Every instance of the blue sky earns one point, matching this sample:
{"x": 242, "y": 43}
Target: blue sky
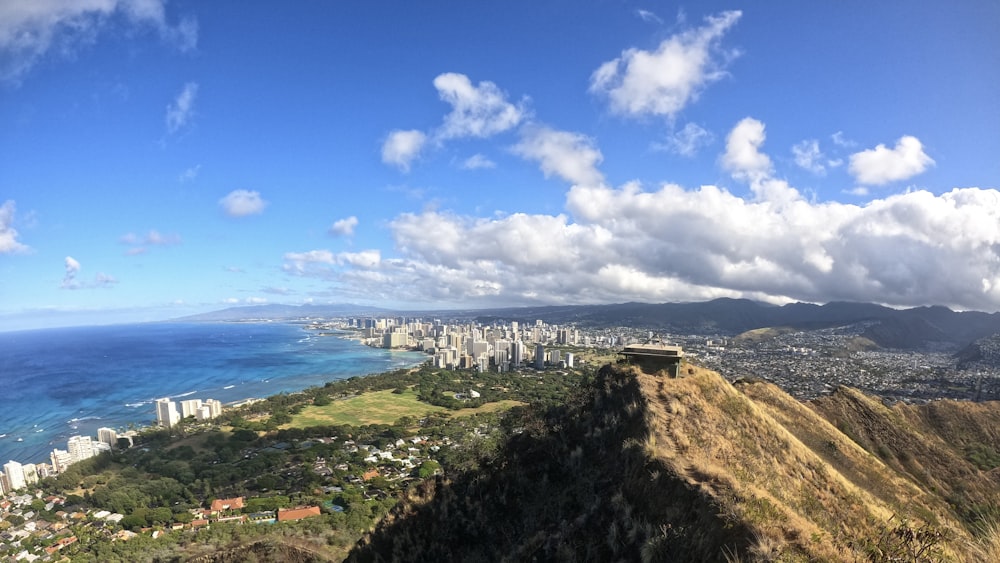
{"x": 163, "y": 158}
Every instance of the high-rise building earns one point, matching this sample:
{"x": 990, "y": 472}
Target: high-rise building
{"x": 15, "y": 475}
{"x": 108, "y": 436}
{"x": 60, "y": 460}
{"x": 30, "y": 473}
{"x": 190, "y": 407}
{"x": 4, "y": 485}
{"x": 517, "y": 353}
{"x": 539, "y": 356}
{"x": 570, "y": 359}
{"x": 80, "y": 448}
{"x": 166, "y": 413}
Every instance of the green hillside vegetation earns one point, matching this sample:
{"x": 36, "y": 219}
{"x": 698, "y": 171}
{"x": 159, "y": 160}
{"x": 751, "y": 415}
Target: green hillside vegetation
{"x": 696, "y": 469}
{"x": 380, "y": 407}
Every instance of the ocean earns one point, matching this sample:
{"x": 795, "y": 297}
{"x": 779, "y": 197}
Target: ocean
{"x": 57, "y": 383}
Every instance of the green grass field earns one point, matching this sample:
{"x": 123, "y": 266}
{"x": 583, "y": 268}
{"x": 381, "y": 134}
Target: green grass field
{"x": 379, "y": 407}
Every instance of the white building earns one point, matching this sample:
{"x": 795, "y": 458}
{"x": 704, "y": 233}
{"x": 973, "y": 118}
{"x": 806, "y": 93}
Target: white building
{"x": 208, "y": 410}
{"x": 107, "y": 436}
{"x": 166, "y": 413}
{"x": 80, "y": 448}
{"x": 15, "y": 475}
{"x": 30, "y": 473}
{"x": 190, "y": 407}
{"x": 60, "y": 460}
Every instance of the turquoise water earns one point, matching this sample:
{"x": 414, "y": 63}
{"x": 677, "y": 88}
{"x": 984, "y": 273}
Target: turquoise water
{"x": 56, "y": 383}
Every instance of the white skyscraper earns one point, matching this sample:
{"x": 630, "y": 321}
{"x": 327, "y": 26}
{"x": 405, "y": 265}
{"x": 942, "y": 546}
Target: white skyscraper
{"x": 108, "y": 436}
{"x": 30, "y": 473}
{"x": 166, "y": 413}
{"x": 60, "y": 460}
{"x": 190, "y": 407}
{"x": 80, "y": 448}
{"x": 15, "y": 475}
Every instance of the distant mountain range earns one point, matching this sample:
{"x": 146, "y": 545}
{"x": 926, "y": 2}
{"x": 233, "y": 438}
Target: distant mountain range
{"x": 920, "y": 327}
{"x": 279, "y": 312}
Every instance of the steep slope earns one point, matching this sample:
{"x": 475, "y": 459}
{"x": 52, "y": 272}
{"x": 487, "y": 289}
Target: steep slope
{"x": 696, "y": 469}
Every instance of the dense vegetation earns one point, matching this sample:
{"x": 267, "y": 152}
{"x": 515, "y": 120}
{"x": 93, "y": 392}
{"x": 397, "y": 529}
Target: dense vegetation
{"x": 254, "y": 453}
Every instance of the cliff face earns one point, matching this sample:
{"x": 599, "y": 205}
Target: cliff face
{"x": 697, "y": 469}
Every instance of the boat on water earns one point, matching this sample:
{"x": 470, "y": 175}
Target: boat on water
{"x": 3, "y": 436}
{"x": 229, "y": 386}
{"x": 19, "y": 440}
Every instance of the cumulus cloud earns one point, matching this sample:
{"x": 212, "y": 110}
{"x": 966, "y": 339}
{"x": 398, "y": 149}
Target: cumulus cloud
{"x": 663, "y": 82}
{"x": 8, "y": 234}
{"x": 476, "y": 111}
{"x": 670, "y": 242}
{"x": 686, "y": 142}
{"x": 477, "y": 161}
{"x": 344, "y": 227}
{"x": 240, "y": 203}
{"x": 30, "y": 30}
{"x": 180, "y": 111}
{"x": 70, "y": 281}
{"x": 743, "y": 158}
{"x": 882, "y": 165}
{"x": 571, "y": 156}
{"x": 402, "y": 147}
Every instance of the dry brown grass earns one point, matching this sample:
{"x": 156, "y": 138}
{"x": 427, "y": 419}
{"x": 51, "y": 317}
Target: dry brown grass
{"x": 774, "y": 464}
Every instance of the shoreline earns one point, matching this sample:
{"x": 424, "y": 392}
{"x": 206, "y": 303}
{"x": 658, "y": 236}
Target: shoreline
{"x": 41, "y": 433}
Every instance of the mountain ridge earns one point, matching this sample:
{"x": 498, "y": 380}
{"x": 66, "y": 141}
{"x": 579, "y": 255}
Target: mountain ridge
{"x": 643, "y": 467}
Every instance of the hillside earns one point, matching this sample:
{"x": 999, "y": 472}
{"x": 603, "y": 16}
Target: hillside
{"x": 696, "y": 469}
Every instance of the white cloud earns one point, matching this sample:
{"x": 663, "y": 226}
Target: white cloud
{"x": 30, "y": 29}
{"x": 476, "y": 111}
{"x": 571, "y": 156}
{"x": 344, "y": 227}
{"x": 882, "y": 165}
{"x": 809, "y": 157}
{"x": 665, "y": 81}
{"x": 367, "y": 259}
{"x": 669, "y": 242}
{"x": 189, "y": 174}
{"x": 139, "y": 243}
{"x": 478, "y": 161}
{"x": 240, "y": 203}
{"x": 686, "y": 142}
{"x": 402, "y": 147}
{"x": 255, "y": 300}
{"x": 73, "y": 267}
{"x": 180, "y": 111}
{"x": 302, "y": 263}
{"x": 647, "y": 16}
{"x": 743, "y": 158}
{"x": 8, "y": 234}
{"x": 839, "y": 140}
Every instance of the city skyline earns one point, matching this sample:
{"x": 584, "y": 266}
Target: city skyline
{"x": 168, "y": 158}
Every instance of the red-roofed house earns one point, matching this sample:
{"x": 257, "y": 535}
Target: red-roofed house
{"x": 220, "y": 504}
{"x": 298, "y": 513}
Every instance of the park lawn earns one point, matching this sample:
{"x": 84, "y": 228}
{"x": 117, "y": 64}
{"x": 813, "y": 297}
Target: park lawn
{"x": 379, "y": 407}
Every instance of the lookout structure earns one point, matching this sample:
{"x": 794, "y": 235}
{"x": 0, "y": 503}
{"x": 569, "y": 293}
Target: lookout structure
{"x": 653, "y": 358}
